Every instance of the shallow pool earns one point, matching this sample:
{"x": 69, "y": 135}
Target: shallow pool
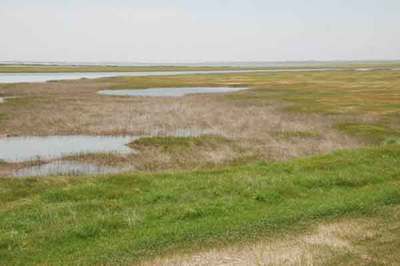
{"x": 169, "y": 92}
{"x": 18, "y": 149}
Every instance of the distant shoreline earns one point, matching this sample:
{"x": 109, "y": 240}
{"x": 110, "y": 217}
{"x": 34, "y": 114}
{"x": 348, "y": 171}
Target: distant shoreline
{"x": 202, "y": 64}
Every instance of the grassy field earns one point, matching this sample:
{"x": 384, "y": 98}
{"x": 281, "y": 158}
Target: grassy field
{"x": 302, "y": 166}
{"x": 126, "y": 218}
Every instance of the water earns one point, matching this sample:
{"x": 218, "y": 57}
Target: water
{"x": 19, "y": 149}
{"x": 169, "y": 92}
{"x": 44, "y": 77}
{"x": 66, "y": 168}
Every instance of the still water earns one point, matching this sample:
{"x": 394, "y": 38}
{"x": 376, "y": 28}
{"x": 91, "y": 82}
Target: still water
{"x": 18, "y": 149}
{"x": 44, "y": 77}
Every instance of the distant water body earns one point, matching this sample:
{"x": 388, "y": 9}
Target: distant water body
{"x": 44, "y": 77}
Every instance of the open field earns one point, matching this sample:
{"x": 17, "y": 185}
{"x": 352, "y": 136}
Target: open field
{"x": 301, "y": 168}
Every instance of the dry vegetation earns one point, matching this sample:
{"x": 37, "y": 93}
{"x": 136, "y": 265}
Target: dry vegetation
{"x": 257, "y": 120}
{"x": 283, "y": 115}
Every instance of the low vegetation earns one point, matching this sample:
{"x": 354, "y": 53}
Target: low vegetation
{"x": 362, "y": 240}
{"x": 171, "y": 143}
{"x": 200, "y": 152}
{"x": 128, "y": 218}
{"x": 2, "y": 117}
{"x": 298, "y": 134}
{"x": 371, "y": 133}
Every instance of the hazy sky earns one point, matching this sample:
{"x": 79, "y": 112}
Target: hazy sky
{"x": 199, "y": 30}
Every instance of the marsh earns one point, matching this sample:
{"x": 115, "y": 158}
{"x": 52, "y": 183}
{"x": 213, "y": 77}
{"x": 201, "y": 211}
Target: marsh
{"x": 292, "y": 146}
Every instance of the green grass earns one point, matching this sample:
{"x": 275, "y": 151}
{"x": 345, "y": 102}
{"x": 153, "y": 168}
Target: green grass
{"x": 126, "y": 218}
{"x": 372, "y": 133}
{"x": 2, "y": 117}
{"x": 339, "y": 92}
{"x": 392, "y": 141}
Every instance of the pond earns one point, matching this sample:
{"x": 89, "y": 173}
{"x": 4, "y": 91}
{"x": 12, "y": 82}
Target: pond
{"x": 169, "y": 92}
{"x": 19, "y": 149}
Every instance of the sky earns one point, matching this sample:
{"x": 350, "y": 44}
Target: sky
{"x": 199, "y": 30}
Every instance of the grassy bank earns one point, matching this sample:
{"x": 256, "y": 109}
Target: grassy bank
{"x": 127, "y": 218}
